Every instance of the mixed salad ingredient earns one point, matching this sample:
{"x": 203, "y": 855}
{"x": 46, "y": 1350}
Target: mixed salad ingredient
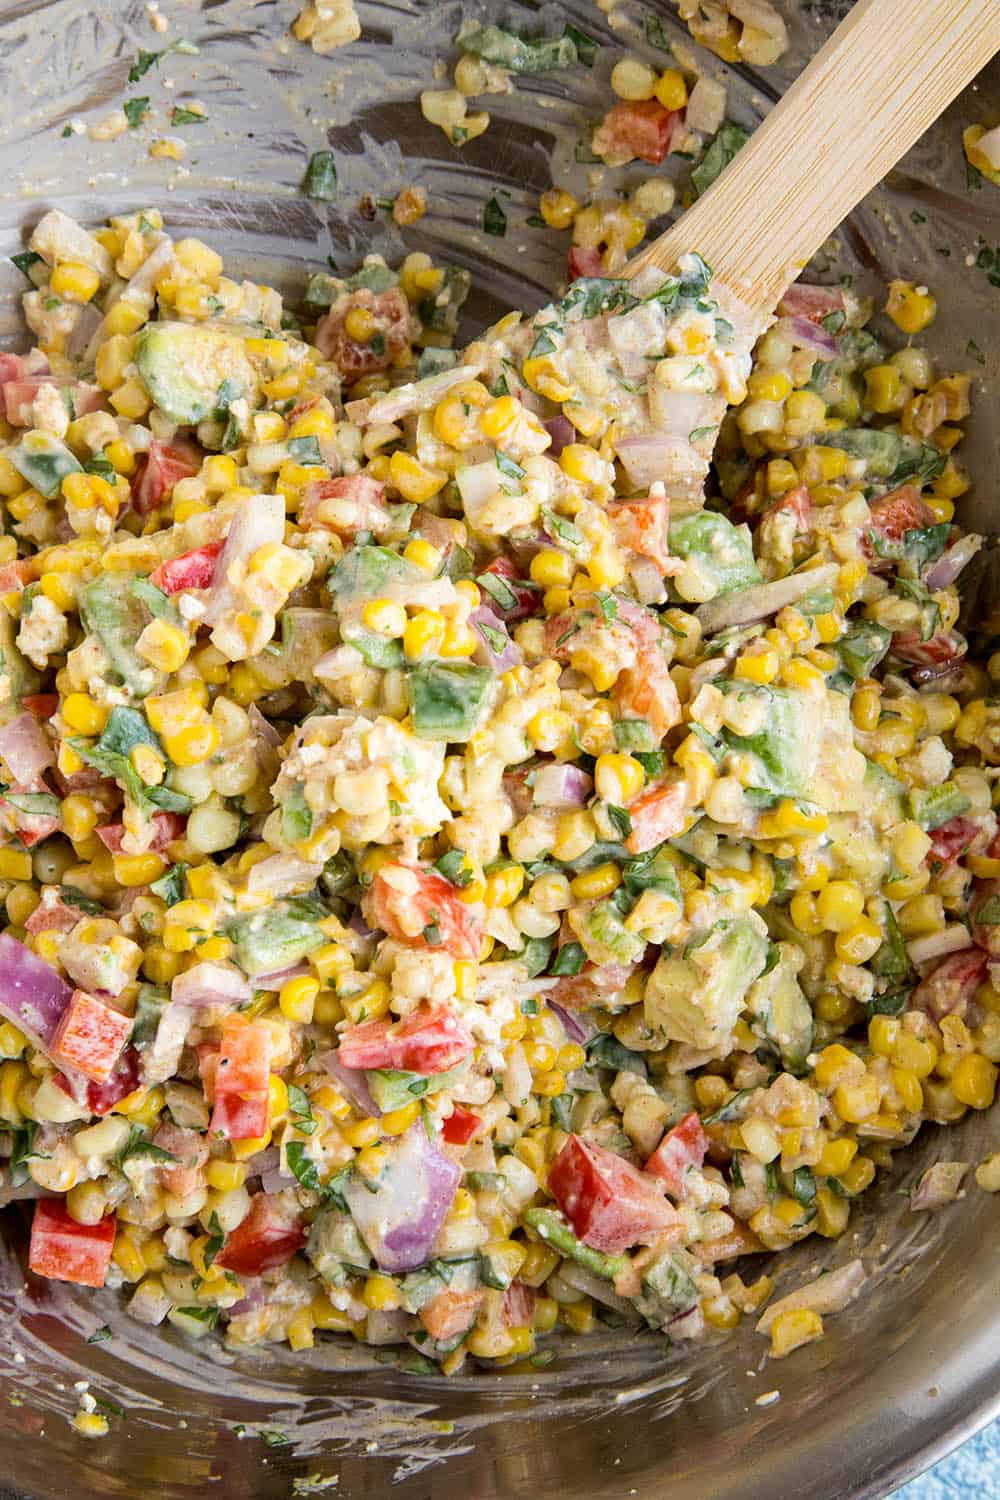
{"x": 457, "y": 880}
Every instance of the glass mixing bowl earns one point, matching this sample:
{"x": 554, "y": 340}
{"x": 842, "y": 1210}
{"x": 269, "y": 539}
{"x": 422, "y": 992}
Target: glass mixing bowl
{"x": 913, "y": 1366}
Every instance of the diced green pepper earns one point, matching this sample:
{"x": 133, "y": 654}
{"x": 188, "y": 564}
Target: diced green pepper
{"x": 43, "y": 461}
{"x": 448, "y": 701}
{"x": 724, "y": 551}
{"x": 551, "y": 1227}
{"x": 110, "y": 610}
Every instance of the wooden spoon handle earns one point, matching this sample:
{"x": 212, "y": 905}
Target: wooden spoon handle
{"x": 881, "y": 79}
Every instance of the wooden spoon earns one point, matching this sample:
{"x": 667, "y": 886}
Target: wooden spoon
{"x": 883, "y": 77}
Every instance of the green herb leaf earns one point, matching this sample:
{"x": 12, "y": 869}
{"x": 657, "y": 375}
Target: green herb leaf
{"x": 569, "y": 959}
{"x": 100, "y": 1335}
{"x": 139, "y": 1145}
{"x": 24, "y": 260}
{"x": 181, "y": 116}
{"x": 305, "y": 450}
{"x": 454, "y": 869}
{"x": 321, "y": 176}
{"x": 135, "y": 110}
{"x": 620, "y": 820}
{"x": 494, "y": 219}
{"x": 143, "y": 63}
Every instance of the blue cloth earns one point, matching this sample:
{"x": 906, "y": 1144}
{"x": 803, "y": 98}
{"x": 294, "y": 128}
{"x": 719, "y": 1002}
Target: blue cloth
{"x": 971, "y": 1473}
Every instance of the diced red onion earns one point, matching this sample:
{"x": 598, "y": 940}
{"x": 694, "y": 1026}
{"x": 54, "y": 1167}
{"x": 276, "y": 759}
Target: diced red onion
{"x": 275, "y": 1181}
{"x": 161, "y": 1060}
{"x": 953, "y": 938}
{"x": 561, "y": 786}
{"x": 259, "y": 520}
{"x": 360, "y": 926}
{"x": 255, "y": 1295}
{"x": 802, "y": 333}
{"x": 827, "y": 1294}
{"x": 352, "y": 1081}
{"x": 951, "y": 562}
{"x": 399, "y": 1222}
{"x": 210, "y": 984}
{"x": 577, "y": 1024}
{"x": 762, "y": 599}
{"x": 280, "y": 874}
{"x": 32, "y": 995}
{"x": 274, "y": 982}
{"x": 486, "y": 654}
{"x": 671, "y": 460}
{"x": 263, "y": 728}
{"x": 597, "y": 1287}
{"x": 939, "y": 1185}
{"x": 562, "y": 432}
{"x": 25, "y": 748}
{"x": 687, "y": 1325}
{"x": 267, "y": 1160}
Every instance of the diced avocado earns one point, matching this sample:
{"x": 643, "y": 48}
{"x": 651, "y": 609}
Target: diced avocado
{"x": 634, "y": 734}
{"x": 606, "y": 938}
{"x": 862, "y": 648}
{"x": 448, "y": 701}
{"x": 786, "y": 745}
{"x": 392, "y": 1088}
{"x": 695, "y": 994}
{"x": 780, "y": 1012}
{"x": 888, "y": 455}
{"x": 365, "y": 573}
{"x": 652, "y": 872}
{"x": 277, "y": 937}
{"x": 668, "y": 1288}
{"x": 336, "y": 1248}
{"x": 110, "y": 610}
{"x": 184, "y": 366}
{"x": 43, "y": 461}
{"x": 148, "y": 1007}
{"x": 18, "y": 672}
{"x": 505, "y": 49}
{"x": 935, "y": 805}
{"x": 724, "y": 551}
{"x": 376, "y": 650}
{"x": 885, "y": 796}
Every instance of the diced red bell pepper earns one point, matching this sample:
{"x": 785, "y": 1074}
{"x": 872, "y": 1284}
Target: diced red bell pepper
{"x": 15, "y": 576}
{"x": 166, "y": 828}
{"x": 895, "y": 514}
{"x": 64, "y": 1250}
{"x": 610, "y": 1204}
{"x": 427, "y": 1041}
{"x": 242, "y": 1080}
{"x": 365, "y": 496}
{"x": 936, "y": 654}
{"x": 268, "y": 1237}
{"x": 797, "y": 504}
{"x": 430, "y": 915}
{"x": 101, "y": 1098}
{"x": 641, "y": 526}
{"x": 682, "y": 1147}
{"x": 584, "y": 260}
{"x": 52, "y": 914}
{"x": 460, "y": 1126}
{"x": 42, "y": 705}
{"x": 160, "y": 470}
{"x": 812, "y": 302}
{"x": 657, "y": 814}
{"x": 192, "y": 570}
{"x": 647, "y": 691}
{"x": 19, "y": 395}
{"x": 391, "y": 312}
{"x": 90, "y": 1037}
{"x": 949, "y": 989}
{"x": 951, "y": 840}
{"x": 637, "y": 128}
{"x": 450, "y": 1314}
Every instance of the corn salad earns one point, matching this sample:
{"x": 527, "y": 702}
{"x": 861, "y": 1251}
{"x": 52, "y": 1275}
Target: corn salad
{"x": 456, "y": 881}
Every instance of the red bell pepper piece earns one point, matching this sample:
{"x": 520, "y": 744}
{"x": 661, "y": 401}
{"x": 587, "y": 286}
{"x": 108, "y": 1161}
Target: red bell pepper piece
{"x": 242, "y": 1079}
{"x": 427, "y": 1041}
{"x": 192, "y": 570}
{"x": 682, "y": 1147}
{"x": 64, "y": 1250}
{"x": 268, "y": 1237}
{"x": 431, "y": 915}
{"x": 89, "y": 1037}
{"x": 610, "y": 1204}
{"x": 460, "y": 1126}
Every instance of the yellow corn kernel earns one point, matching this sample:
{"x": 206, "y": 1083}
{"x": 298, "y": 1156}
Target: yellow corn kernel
{"x": 832, "y": 1214}
{"x": 332, "y": 960}
{"x": 198, "y": 258}
{"x": 551, "y": 568}
{"x": 857, "y": 1100}
{"x": 137, "y": 869}
{"x": 582, "y": 463}
{"x": 328, "y": 1098}
{"x": 82, "y": 715}
{"x": 503, "y": 886}
{"x": 907, "y": 1086}
{"x": 790, "y": 1330}
{"x": 550, "y": 1085}
{"x": 618, "y": 778}
{"x": 499, "y": 417}
{"x": 802, "y": 910}
{"x": 423, "y": 634}
{"x": 15, "y": 864}
{"x": 594, "y": 884}
{"x": 413, "y": 480}
{"x": 757, "y": 666}
{"x": 839, "y": 905}
{"x": 90, "y": 1424}
{"x": 128, "y": 1258}
{"x": 579, "y": 1316}
{"x": 399, "y": 1120}
{"x": 371, "y": 1160}
{"x": 74, "y": 281}
{"x": 164, "y": 646}
{"x": 538, "y": 1264}
{"x": 361, "y": 1133}
{"x": 558, "y": 208}
{"x": 225, "y": 1176}
{"x": 974, "y": 1081}
{"x": 297, "y": 999}
{"x": 58, "y": 590}
{"x": 277, "y": 1098}
{"x": 836, "y": 1064}
{"x": 883, "y": 389}
{"x": 381, "y": 1294}
{"x": 193, "y": 745}
{"x": 300, "y": 1330}
{"x": 910, "y": 308}
{"x": 424, "y": 556}
{"x": 788, "y": 820}
{"x": 671, "y": 89}
{"x": 328, "y": 1317}
{"x": 837, "y": 1157}
{"x": 130, "y": 400}
{"x": 860, "y": 942}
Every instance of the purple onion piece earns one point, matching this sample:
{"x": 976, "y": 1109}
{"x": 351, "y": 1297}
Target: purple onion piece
{"x": 494, "y": 647}
{"x": 562, "y": 432}
{"x": 803, "y": 333}
{"x": 562, "y": 786}
{"x": 949, "y": 564}
{"x": 352, "y": 1081}
{"x": 400, "y": 1221}
{"x": 210, "y": 984}
{"x": 273, "y": 982}
{"x": 25, "y": 748}
{"x": 577, "y": 1024}
{"x": 32, "y": 994}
